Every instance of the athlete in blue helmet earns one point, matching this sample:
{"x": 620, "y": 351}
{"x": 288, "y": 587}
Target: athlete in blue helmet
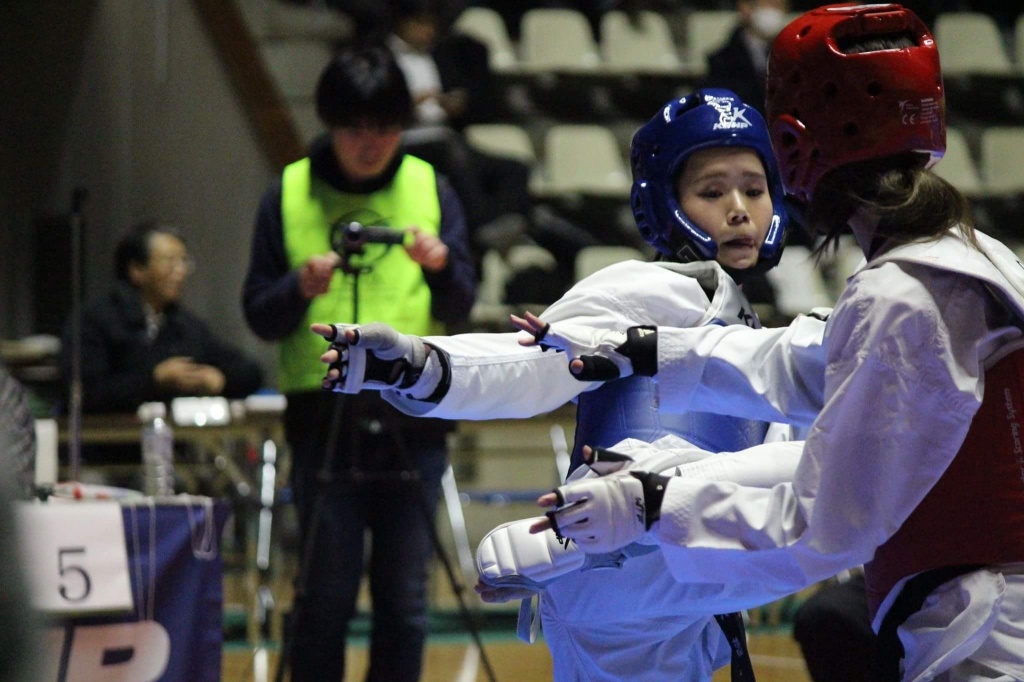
{"x": 708, "y": 197}
{"x": 708, "y": 119}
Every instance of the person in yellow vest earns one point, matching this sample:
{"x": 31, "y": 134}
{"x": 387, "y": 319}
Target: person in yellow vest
{"x": 358, "y": 231}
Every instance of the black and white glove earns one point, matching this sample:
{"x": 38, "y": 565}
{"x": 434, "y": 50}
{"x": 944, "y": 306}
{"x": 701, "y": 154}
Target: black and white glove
{"x": 604, "y": 354}
{"x": 378, "y": 358}
{"x": 607, "y": 513}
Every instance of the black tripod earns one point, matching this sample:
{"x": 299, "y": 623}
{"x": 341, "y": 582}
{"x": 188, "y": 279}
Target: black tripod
{"x": 348, "y": 240}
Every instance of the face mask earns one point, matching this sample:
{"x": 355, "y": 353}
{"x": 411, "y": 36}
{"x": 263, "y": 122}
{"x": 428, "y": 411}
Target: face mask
{"x": 767, "y": 22}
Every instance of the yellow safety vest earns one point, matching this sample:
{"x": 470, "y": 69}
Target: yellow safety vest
{"x": 391, "y": 288}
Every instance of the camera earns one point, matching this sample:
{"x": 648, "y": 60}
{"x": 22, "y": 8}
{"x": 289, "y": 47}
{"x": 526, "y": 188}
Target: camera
{"x": 350, "y": 237}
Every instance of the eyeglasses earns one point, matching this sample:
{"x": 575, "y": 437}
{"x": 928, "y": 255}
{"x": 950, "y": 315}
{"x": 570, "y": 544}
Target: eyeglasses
{"x": 186, "y": 263}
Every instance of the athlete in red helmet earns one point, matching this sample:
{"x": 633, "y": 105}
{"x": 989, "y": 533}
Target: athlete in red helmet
{"x": 914, "y": 463}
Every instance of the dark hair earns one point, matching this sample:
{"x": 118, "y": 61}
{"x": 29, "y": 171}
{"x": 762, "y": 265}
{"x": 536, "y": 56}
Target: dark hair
{"x": 912, "y": 203}
{"x": 404, "y": 9}
{"x": 363, "y": 86}
{"x": 133, "y": 247}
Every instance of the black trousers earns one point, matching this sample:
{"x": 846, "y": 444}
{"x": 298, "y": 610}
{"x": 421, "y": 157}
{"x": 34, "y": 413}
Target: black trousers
{"x": 375, "y": 519}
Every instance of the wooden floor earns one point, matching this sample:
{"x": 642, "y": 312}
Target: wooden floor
{"x": 775, "y": 656}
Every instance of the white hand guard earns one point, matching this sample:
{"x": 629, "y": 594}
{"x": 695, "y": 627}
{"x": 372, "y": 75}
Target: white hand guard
{"x": 512, "y": 556}
{"x": 378, "y": 359}
{"x": 601, "y": 514}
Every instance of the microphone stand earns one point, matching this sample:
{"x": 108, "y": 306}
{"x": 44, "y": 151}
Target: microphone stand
{"x": 75, "y": 407}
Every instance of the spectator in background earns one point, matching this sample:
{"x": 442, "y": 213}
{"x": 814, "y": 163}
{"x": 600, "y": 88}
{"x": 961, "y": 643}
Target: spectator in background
{"x": 385, "y": 469}
{"x": 447, "y": 72}
{"x": 139, "y": 344}
{"x": 451, "y": 86}
{"x": 740, "y": 65}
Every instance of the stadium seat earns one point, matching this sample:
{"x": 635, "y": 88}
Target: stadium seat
{"x": 706, "y": 31}
{"x": 557, "y": 40}
{"x": 590, "y": 259}
{"x": 957, "y": 166}
{"x": 487, "y": 26}
{"x": 1019, "y": 43}
{"x": 502, "y": 139}
{"x": 510, "y": 141}
{"x": 580, "y": 158}
{"x": 643, "y": 45}
{"x": 970, "y": 43}
{"x": 1002, "y": 149}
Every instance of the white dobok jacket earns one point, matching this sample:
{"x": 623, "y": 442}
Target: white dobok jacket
{"x": 890, "y": 397}
{"x": 610, "y": 624}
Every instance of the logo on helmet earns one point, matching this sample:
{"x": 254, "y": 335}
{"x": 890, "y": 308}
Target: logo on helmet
{"x": 728, "y": 118}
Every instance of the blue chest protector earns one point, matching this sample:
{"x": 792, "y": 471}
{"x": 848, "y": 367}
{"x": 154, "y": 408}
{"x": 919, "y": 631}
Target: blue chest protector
{"x": 627, "y": 409}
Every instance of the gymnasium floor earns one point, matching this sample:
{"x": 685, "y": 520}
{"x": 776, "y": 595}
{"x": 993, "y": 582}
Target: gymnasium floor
{"x": 511, "y": 456}
{"x": 452, "y": 659}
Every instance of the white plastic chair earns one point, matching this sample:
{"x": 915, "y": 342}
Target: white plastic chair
{"x": 1002, "y": 149}
{"x": 511, "y": 141}
{"x": 970, "y": 42}
{"x": 1019, "y": 42}
{"x": 581, "y": 158}
{"x": 487, "y": 26}
{"x": 706, "y": 31}
{"x": 557, "y": 39}
{"x": 502, "y": 139}
{"x": 957, "y": 166}
{"x": 643, "y": 46}
{"x": 590, "y": 259}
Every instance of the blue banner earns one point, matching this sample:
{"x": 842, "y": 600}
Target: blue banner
{"x": 176, "y": 631}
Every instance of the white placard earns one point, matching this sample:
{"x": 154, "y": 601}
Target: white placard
{"x": 75, "y": 557}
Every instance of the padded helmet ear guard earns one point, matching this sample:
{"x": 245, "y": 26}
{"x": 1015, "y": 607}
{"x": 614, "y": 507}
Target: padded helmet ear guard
{"x": 708, "y": 118}
{"x": 830, "y": 104}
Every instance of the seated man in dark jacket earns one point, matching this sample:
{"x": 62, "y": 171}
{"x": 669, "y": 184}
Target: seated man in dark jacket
{"x": 140, "y": 345}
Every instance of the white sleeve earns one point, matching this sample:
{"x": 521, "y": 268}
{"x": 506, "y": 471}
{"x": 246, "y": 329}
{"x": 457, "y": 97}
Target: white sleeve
{"x": 762, "y": 466}
{"x": 904, "y": 381}
{"x": 493, "y": 377}
{"x": 771, "y": 374}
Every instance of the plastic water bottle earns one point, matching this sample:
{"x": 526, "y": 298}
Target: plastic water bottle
{"x": 157, "y": 450}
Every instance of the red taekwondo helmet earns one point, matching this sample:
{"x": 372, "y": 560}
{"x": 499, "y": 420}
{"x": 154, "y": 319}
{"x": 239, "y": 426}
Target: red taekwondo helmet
{"x": 828, "y": 106}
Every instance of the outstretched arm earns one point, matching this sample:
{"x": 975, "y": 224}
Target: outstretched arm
{"x": 767, "y": 374}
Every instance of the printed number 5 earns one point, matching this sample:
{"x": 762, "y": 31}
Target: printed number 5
{"x": 69, "y": 568}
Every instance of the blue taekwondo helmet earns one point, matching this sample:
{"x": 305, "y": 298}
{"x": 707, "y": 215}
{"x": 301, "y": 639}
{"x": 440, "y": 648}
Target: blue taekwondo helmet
{"x": 711, "y": 117}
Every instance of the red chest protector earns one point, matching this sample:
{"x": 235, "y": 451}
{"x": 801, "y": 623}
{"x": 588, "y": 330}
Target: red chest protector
{"x": 975, "y": 512}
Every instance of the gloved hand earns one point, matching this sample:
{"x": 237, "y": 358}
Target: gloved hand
{"x": 375, "y": 357}
{"x": 607, "y": 513}
{"x": 596, "y": 354}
